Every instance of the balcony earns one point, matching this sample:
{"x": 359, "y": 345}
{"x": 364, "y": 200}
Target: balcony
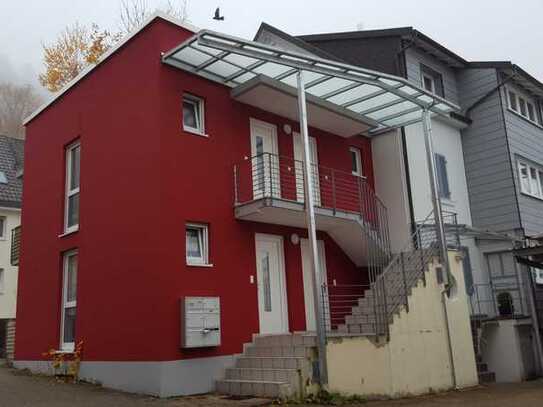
{"x": 270, "y": 189}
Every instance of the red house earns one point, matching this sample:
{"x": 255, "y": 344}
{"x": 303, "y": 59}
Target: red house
{"x": 163, "y": 216}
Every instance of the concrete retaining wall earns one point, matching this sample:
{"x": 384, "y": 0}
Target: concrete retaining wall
{"x": 416, "y": 360}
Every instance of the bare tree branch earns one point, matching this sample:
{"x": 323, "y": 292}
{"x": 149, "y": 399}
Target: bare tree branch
{"x": 16, "y": 103}
{"x": 134, "y": 12}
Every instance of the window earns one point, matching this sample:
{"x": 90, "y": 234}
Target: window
{"x": 2, "y": 227}
{"x": 513, "y": 101}
{"x": 193, "y": 114}
{"x": 432, "y": 81}
{"x": 356, "y": 161}
{"x": 428, "y": 83}
{"x": 69, "y": 301}
{"x": 530, "y": 179}
{"x": 442, "y": 176}
{"x": 3, "y": 178}
{"x": 2, "y": 282}
{"x": 197, "y": 244}
{"x": 71, "y": 216}
{"x": 468, "y": 272}
{"x": 538, "y": 275}
{"x": 524, "y": 106}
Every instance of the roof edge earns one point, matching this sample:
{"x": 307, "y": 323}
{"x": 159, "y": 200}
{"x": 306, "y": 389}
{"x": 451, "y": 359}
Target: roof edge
{"x": 401, "y": 32}
{"x": 157, "y": 14}
{"x": 295, "y": 40}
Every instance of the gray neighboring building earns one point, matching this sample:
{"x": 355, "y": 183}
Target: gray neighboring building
{"x": 493, "y": 152}
{"x": 11, "y": 188}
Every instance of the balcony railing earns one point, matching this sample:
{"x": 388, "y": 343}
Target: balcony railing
{"x": 15, "y": 245}
{"x": 502, "y": 300}
{"x": 272, "y": 176}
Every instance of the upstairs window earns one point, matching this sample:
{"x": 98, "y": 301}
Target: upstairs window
{"x": 193, "y": 115}
{"x": 69, "y": 301}
{"x": 197, "y": 244}
{"x": 432, "y": 81}
{"x": 356, "y": 161}
{"x": 2, "y": 227}
{"x": 71, "y": 211}
{"x": 523, "y": 106}
{"x": 531, "y": 179}
{"x": 442, "y": 176}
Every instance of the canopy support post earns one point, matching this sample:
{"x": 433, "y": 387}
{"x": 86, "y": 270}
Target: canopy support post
{"x": 434, "y": 188}
{"x": 440, "y": 228}
{"x": 312, "y": 234}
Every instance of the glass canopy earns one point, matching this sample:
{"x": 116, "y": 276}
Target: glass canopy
{"x": 388, "y": 100}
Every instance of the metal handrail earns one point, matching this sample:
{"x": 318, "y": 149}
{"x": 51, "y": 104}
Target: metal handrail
{"x": 271, "y": 175}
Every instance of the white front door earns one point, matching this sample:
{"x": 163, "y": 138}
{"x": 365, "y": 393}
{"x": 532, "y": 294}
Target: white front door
{"x": 272, "y": 293}
{"x": 299, "y": 157}
{"x": 265, "y": 160}
{"x": 310, "y": 320}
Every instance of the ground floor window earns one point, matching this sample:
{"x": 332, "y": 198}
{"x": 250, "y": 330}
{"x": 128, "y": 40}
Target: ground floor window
{"x": 197, "y": 244}
{"x": 69, "y": 300}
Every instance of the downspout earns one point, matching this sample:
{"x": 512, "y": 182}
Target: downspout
{"x": 401, "y": 62}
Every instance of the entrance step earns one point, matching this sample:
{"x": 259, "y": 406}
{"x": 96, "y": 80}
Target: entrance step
{"x": 258, "y": 388}
{"x": 274, "y": 366}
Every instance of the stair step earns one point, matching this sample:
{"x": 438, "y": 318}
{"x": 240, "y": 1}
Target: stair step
{"x": 290, "y": 376}
{"x": 288, "y": 351}
{"x": 281, "y": 362}
{"x": 487, "y": 377}
{"x": 285, "y": 340}
{"x": 359, "y": 319}
{"x": 257, "y": 388}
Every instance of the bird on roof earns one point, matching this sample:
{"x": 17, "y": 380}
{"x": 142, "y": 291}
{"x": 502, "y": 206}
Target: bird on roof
{"x": 217, "y": 15}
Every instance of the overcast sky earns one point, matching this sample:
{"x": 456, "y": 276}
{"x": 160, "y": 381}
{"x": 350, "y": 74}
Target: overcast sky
{"x": 475, "y": 29}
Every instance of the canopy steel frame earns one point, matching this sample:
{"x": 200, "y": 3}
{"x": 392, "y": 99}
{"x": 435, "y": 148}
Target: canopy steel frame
{"x": 247, "y": 59}
{"x": 396, "y": 103}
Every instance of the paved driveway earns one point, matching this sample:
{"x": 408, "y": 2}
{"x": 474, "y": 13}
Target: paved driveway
{"x": 18, "y": 389}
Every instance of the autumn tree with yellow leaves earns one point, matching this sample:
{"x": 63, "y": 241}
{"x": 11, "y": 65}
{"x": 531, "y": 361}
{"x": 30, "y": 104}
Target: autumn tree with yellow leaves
{"x": 74, "y": 49}
{"x": 79, "y": 46}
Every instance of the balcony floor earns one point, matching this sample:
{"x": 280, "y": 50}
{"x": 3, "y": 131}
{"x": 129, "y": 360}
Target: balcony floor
{"x": 343, "y": 226}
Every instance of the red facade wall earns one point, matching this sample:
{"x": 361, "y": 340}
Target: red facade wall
{"x": 142, "y": 180}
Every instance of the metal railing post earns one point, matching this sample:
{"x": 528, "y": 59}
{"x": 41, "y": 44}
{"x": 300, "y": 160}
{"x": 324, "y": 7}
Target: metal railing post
{"x": 422, "y": 265}
{"x": 360, "y": 195}
{"x": 402, "y": 264}
{"x": 271, "y": 174}
{"x": 236, "y": 197}
{"x": 334, "y": 203}
{"x": 385, "y": 305}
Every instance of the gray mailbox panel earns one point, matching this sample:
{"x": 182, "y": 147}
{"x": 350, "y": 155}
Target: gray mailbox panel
{"x": 201, "y": 322}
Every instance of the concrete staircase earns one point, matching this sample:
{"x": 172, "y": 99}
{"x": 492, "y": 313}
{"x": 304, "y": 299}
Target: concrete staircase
{"x": 274, "y": 366}
{"x": 485, "y": 376}
{"x": 398, "y": 282}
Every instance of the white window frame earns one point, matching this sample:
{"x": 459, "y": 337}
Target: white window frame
{"x": 67, "y": 346}
{"x": 358, "y": 159}
{"x": 200, "y": 114}
{"x": 538, "y": 193}
{"x": 3, "y": 227}
{"x": 203, "y": 236}
{"x": 432, "y": 81}
{"x": 71, "y": 192}
{"x": 521, "y": 98}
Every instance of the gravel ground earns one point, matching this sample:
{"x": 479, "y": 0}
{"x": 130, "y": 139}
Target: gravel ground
{"x": 19, "y": 389}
